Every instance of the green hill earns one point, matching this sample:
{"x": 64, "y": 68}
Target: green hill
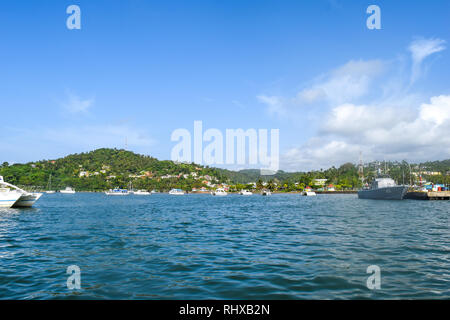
{"x": 104, "y": 169}
{"x": 108, "y": 168}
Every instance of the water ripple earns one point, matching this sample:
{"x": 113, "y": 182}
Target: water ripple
{"x": 203, "y": 247}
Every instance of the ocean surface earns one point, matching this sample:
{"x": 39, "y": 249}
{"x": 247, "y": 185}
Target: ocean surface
{"x": 283, "y": 246}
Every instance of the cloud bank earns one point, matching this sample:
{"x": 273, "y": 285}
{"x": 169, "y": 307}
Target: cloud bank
{"x": 370, "y": 106}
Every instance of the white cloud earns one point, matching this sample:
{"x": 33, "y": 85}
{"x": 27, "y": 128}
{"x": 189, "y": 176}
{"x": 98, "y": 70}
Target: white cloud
{"x": 275, "y": 105}
{"x": 368, "y": 106}
{"x": 438, "y": 111}
{"x": 420, "y": 49}
{"x": 417, "y": 134}
{"x": 350, "y": 119}
{"x": 318, "y": 153}
{"x": 75, "y": 104}
{"x": 344, "y": 84}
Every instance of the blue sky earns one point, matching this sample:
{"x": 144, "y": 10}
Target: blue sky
{"x": 141, "y": 69}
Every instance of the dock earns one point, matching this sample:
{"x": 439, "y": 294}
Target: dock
{"x": 432, "y": 195}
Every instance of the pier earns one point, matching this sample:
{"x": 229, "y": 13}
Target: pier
{"x": 432, "y": 195}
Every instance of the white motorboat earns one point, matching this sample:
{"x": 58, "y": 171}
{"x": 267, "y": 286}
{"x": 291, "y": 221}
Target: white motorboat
{"x": 266, "y": 193}
{"x": 176, "y": 192}
{"x": 308, "y": 193}
{"x": 25, "y": 198}
{"x": 8, "y": 197}
{"x": 245, "y": 193}
{"x": 67, "y": 190}
{"x": 219, "y": 192}
{"x": 117, "y": 192}
{"x": 142, "y": 193}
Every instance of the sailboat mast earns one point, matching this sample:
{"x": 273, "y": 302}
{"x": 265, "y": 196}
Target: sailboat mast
{"x": 361, "y": 168}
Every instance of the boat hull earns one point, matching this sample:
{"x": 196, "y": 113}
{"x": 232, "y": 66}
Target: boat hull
{"x": 117, "y": 193}
{"x": 176, "y": 192}
{"x": 27, "y": 200}
{"x": 388, "y": 193}
{"x": 8, "y": 199}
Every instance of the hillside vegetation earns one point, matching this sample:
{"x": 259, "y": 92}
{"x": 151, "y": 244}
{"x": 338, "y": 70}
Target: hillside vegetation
{"x": 104, "y": 169}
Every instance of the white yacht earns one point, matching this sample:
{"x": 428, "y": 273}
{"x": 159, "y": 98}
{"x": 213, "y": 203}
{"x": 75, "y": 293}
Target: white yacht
{"x": 309, "y": 193}
{"x": 67, "y": 190}
{"x": 142, "y": 193}
{"x": 8, "y": 197}
{"x": 176, "y": 192}
{"x": 245, "y": 193}
{"x": 27, "y": 199}
{"x": 219, "y": 192}
{"x": 24, "y": 199}
{"x": 117, "y": 192}
{"x": 266, "y": 193}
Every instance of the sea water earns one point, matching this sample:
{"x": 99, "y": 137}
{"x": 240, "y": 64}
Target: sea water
{"x": 283, "y": 246}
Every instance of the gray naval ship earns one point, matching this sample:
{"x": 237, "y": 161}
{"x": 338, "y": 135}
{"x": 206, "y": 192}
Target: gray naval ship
{"x": 383, "y": 189}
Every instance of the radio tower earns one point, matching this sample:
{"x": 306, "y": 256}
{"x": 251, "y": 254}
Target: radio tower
{"x": 361, "y": 168}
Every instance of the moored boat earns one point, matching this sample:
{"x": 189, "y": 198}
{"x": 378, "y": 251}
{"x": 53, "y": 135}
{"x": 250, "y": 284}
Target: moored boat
{"x": 117, "y": 192}
{"x": 219, "y": 192}
{"x": 245, "y": 193}
{"x": 383, "y": 189}
{"x": 266, "y": 193}
{"x": 25, "y": 198}
{"x": 142, "y": 193}
{"x": 8, "y": 198}
{"x": 67, "y": 190}
{"x": 176, "y": 192}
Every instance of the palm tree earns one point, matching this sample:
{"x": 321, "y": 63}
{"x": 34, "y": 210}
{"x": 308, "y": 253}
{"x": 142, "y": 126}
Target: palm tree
{"x": 259, "y": 184}
{"x": 270, "y": 185}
